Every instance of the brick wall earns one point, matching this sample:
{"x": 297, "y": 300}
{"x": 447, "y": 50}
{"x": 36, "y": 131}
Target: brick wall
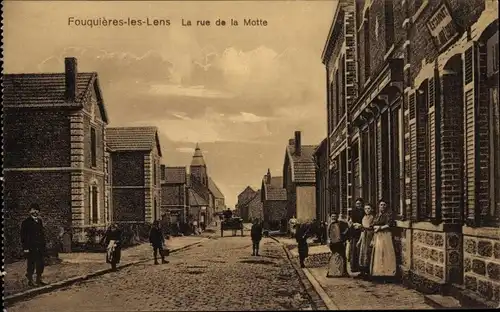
{"x": 51, "y": 190}
{"x": 256, "y": 209}
{"x": 128, "y": 204}
{"x": 128, "y": 168}
{"x": 36, "y": 138}
{"x": 274, "y": 210}
{"x": 429, "y": 254}
{"x": 172, "y": 194}
{"x": 482, "y": 266}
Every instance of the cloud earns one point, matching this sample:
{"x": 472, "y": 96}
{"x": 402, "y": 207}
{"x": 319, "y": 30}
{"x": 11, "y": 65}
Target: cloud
{"x": 247, "y": 117}
{"x": 192, "y": 91}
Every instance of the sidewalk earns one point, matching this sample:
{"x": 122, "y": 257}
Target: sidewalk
{"x": 352, "y": 293}
{"x": 80, "y": 264}
{"x": 356, "y": 294}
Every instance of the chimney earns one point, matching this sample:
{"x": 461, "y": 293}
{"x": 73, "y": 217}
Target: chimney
{"x": 70, "y": 78}
{"x": 268, "y": 176}
{"x": 297, "y": 143}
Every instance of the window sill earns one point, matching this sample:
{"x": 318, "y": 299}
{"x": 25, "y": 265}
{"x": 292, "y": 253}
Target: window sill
{"x": 427, "y": 226}
{"x": 486, "y": 232}
{"x": 389, "y": 52}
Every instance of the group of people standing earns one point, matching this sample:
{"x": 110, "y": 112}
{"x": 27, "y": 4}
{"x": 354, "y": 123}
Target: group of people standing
{"x": 362, "y": 240}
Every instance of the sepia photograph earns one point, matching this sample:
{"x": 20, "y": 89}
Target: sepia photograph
{"x": 250, "y": 155}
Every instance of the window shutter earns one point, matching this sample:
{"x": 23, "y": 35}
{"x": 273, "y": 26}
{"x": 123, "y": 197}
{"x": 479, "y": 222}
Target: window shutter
{"x": 434, "y": 150}
{"x": 470, "y": 134}
{"x": 413, "y": 157}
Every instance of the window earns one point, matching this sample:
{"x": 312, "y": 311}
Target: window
{"x": 94, "y": 204}
{"x": 366, "y": 32}
{"x": 338, "y": 100}
{"x": 342, "y": 88}
{"x": 389, "y": 25}
{"x": 356, "y": 185}
{"x": 93, "y": 147}
{"x": 423, "y": 146}
{"x": 396, "y": 158}
{"x": 333, "y": 105}
{"x": 494, "y": 127}
{"x": 154, "y": 172}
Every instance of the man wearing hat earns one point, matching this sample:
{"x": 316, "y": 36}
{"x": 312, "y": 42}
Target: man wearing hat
{"x": 33, "y": 242}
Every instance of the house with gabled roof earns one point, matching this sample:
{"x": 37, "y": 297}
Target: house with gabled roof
{"x": 256, "y": 207}
{"x": 174, "y": 193}
{"x": 218, "y": 199}
{"x": 299, "y": 179}
{"x": 244, "y": 199}
{"x": 274, "y": 202}
{"x": 54, "y": 152}
{"x": 135, "y": 159}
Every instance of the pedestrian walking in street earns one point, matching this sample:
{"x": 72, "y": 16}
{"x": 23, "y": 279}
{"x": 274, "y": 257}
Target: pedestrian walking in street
{"x": 34, "y": 245}
{"x": 256, "y": 234}
{"x": 113, "y": 242}
{"x": 157, "y": 240}
{"x": 354, "y": 219}
{"x": 195, "y": 227}
{"x": 383, "y": 262}
{"x": 365, "y": 241}
{"x": 301, "y": 236}
{"x": 337, "y": 232}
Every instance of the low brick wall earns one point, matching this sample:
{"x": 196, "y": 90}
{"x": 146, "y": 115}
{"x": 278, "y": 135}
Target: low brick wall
{"x": 482, "y": 267}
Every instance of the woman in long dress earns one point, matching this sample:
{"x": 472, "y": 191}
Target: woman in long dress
{"x": 301, "y": 235}
{"x": 113, "y": 242}
{"x": 365, "y": 241}
{"x": 337, "y": 230}
{"x": 383, "y": 262}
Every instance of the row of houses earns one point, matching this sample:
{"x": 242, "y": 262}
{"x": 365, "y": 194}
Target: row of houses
{"x": 413, "y": 119}
{"x": 290, "y": 195}
{"x": 60, "y": 154}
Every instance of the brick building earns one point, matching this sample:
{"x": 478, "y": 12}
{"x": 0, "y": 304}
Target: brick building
{"x": 322, "y": 199}
{"x": 256, "y": 207}
{"x": 174, "y": 193}
{"x": 418, "y": 126}
{"x": 204, "y": 194}
{"x": 299, "y": 180}
{"x": 244, "y": 199}
{"x": 54, "y": 152}
{"x": 135, "y": 162}
{"x": 274, "y": 202}
{"x": 218, "y": 200}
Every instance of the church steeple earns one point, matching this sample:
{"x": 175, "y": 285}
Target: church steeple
{"x": 198, "y": 167}
{"x": 197, "y": 157}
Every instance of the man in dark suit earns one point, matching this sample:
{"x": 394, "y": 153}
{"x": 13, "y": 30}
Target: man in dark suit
{"x": 33, "y": 242}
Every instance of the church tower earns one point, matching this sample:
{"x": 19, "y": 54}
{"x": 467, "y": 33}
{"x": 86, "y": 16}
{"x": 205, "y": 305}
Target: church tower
{"x": 198, "y": 168}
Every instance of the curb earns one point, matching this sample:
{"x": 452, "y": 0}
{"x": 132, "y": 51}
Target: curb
{"x": 317, "y": 302}
{"x": 61, "y": 284}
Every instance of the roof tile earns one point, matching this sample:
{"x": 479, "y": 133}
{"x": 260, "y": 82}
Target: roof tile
{"x": 42, "y": 89}
{"x": 132, "y": 138}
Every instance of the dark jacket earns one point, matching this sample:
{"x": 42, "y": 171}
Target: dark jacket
{"x": 156, "y": 237}
{"x": 301, "y": 235}
{"x": 113, "y": 234}
{"x": 32, "y": 234}
{"x": 256, "y": 232}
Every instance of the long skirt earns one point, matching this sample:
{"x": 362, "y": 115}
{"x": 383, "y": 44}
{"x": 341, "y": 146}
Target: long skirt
{"x": 365, "y": 250}
{"x": 113, "y": 253}
{"x": 337, "y": 266}
{"x": 354, "y": 253}
{"x": 383, "y": 255}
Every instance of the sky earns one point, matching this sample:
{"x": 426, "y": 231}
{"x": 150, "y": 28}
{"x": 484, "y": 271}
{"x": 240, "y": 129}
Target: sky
{"x": 238, "y": 91}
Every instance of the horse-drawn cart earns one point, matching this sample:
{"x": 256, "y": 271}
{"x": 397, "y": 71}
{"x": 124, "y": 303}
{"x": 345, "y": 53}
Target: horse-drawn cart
{"x": 234, "y": 224}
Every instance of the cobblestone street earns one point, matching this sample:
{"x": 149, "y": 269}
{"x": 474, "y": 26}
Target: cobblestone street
{"x": 219, "y": 274}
